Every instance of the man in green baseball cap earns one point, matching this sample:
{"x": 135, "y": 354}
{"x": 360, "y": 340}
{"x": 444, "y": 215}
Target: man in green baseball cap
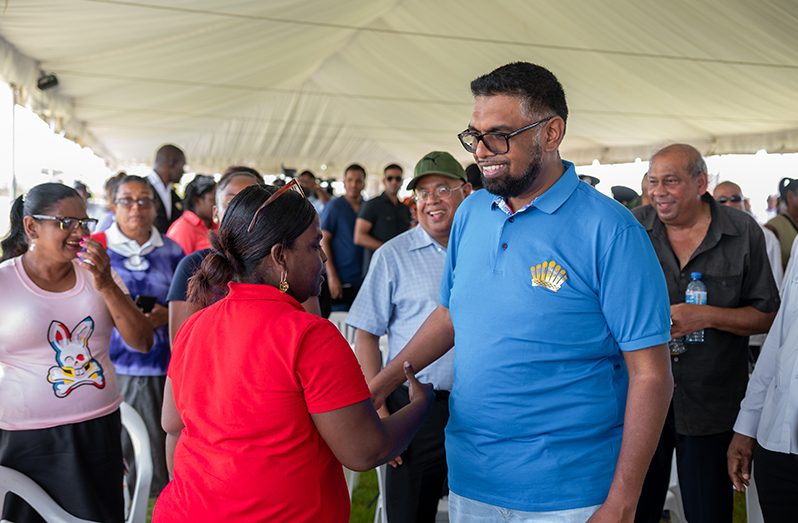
{"x": 400, "y": 291}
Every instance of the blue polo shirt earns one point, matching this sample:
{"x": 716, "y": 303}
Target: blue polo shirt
{"x": 543, "y": 302}
{"x": 338, "y": 218}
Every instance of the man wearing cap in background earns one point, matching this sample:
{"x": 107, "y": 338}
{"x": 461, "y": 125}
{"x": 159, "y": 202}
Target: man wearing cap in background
{"x": 625, "y": 196}
{"x": 590, "y": 180}
{"x": 399, "y": 292}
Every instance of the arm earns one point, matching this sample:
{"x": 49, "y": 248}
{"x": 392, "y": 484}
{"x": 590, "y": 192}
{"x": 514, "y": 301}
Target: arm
{"x": 131, "y": 323}
{"x": 336, "y": 291}
{"x": 647, "y": 401}
{"x": 742, "y": 321}
{"x": 367, "y": 350}
{"x": 432, "y": 340}
{"x": 361, "y": 440}
{"x": 363, "y": 236}
{"x": 179, "y": 312}
{"x": 171, "y": 424}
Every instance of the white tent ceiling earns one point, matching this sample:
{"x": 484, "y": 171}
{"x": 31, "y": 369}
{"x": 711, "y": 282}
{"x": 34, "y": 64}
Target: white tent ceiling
{"x": 306, "y": 83}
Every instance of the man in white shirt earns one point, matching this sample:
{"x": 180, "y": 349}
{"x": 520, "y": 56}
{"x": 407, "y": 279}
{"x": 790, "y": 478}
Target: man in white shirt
{"x": 167, "y": 170}
{"x": 766, "y": 429}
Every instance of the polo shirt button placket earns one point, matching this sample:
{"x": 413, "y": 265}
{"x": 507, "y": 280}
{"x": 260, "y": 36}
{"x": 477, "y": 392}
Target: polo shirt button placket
{"x": 511, "y": 219}
{"x": 504, "y": 246}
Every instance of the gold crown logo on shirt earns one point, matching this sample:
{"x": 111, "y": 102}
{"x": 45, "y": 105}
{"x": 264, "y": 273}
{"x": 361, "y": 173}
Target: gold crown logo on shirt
{"x": 548, "y": 275}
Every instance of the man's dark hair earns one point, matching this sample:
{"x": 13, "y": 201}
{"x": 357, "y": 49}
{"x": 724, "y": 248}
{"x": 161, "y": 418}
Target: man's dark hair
{"x": 236, "y": 169}
{"x": 168, "y": 153}
{"x": 538, "y": 88}
{"x": 355, "y": 167}
{"x": 474, "y": 176}
{"x": 393, "y": 166}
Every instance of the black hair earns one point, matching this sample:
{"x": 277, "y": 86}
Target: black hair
{"x": 307, "y": 173}
{"x": 39, "y": 200}
{"x": 787, "y": 185}
{"x": 474, "y": 176}
{"x": 538, "y": 88}
{"x": 355, "y": 167}
{"x": 227, "y": 178}
{"x": 197, "y": 188}
{"x": 393, "y": 166}
{"x": 130, "y": 178}
{"x": 238, "y": 169}
{"x": 238, "y": 253}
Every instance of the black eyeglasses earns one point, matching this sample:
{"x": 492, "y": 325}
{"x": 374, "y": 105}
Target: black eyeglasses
{"x": 394, "y": 178}
{"x": 496, "y": 142}
{"x": 66, "y": 223}
{"x": 293, "y": 185}
{"x": 129, "y": 202}
{"x": 734, "y": 198}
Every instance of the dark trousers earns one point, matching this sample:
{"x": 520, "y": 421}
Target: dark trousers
{"x": 79, "y": 465}
{"x": 414, "y": 488}
{"x": 776, "y": 476}
{"x": 704, "y": 483}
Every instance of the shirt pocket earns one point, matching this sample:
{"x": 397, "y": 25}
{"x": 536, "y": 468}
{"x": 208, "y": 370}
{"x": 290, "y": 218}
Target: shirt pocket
{"x": 724, "y": 289}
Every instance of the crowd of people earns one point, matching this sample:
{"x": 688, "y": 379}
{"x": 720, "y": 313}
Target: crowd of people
{"x": 529, "y": 370}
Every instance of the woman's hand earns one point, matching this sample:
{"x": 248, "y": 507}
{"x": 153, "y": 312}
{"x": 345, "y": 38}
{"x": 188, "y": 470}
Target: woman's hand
{"x": 419, "y": 392}
{"x": 158, "y": 316}
{"x": 94, "y": 259}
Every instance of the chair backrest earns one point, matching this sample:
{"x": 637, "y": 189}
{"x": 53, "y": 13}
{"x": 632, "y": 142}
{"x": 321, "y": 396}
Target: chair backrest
{"x": 14, "y": 481}
{"x": 134, "y": 425}
{"x": 339, "y": 320}
{"x": 380, "y": 515}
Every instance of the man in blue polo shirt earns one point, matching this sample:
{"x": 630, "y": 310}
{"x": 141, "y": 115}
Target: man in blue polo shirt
{"x": 556, "y": 305}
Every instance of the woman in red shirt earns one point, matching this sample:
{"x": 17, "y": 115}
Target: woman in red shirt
{"x": 269, "y": 400}
{"x": 190, "y": 231}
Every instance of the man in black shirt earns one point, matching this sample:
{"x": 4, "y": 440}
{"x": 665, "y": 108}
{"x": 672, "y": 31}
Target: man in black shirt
{"x": 692, "y": 233}
{"x": 383, "y": 217}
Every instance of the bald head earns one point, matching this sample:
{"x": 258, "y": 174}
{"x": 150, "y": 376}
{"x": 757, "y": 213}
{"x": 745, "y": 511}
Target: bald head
{"x": 169, "y": 163}
{"x": 694, "y": 162}
{"x": 729, "y": 194}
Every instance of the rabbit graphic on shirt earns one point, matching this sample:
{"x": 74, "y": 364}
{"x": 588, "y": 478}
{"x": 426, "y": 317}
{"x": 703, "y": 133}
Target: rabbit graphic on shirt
{"x": 75, "y": 364}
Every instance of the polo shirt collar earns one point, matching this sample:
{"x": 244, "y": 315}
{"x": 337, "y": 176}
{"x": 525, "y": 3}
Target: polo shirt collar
{"x": 553, "y": 198}
{"x": 255, "y": 291}
{"x": 720, "y": 224}
{"x": 192, "y": 218}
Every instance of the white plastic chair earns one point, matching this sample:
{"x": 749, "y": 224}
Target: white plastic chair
{"x": 339, "y": 320}
{"x": 24, "y": 487}
{"x": 136, "y": 510}
{"x": 352, "y": 478}
{"x": 673, "y": 499}
{"x": 752, "y": 508}
{"x": 380, "y": 515}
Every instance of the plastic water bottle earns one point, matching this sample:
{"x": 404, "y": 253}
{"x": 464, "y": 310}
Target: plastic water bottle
{"x": 697, "y": 295}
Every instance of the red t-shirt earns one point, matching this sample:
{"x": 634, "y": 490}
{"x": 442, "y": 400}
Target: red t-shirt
{"x": 190, "y": 232}
{"x": 247, "y": 372}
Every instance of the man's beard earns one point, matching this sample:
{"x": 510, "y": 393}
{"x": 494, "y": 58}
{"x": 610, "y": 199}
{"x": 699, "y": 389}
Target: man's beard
{"x": 509, "y": 186}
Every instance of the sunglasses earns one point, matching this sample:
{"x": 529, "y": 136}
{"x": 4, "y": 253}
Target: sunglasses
{"x": 394, "y": 178}
{"x": 293, "y": 185}
{"x": 735, "y": 198}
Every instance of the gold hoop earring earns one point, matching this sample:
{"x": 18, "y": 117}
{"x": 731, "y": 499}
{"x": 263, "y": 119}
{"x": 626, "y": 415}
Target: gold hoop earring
{"x": 284, "y": 282}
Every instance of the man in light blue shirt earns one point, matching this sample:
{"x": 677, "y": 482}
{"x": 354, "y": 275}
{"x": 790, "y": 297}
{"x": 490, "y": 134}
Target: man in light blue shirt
{"x": 400, "y": 291}
{"x": 557, "y": 309}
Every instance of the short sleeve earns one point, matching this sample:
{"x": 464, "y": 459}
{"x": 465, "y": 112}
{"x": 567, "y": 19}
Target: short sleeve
{"x": 327, "y": 221}
{"x": 119, "y": 283}
{"x": 369, "y": 211}
{"x": 372, "y": 308}
{"x": 447, "y": 281}
{"x": 178, "y": 289}
{"x": 759, "y": 288}
{"x": 633, "y": 294}
{"x": 328, "y": 371}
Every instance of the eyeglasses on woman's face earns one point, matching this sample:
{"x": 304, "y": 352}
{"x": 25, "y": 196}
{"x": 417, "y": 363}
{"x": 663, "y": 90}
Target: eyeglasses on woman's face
{"x": 67, "y": 223}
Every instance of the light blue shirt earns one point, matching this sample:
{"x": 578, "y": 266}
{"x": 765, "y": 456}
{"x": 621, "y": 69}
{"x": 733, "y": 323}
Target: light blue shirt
{"x": 543, "y": 302}
{"x": 399, "y": 293}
